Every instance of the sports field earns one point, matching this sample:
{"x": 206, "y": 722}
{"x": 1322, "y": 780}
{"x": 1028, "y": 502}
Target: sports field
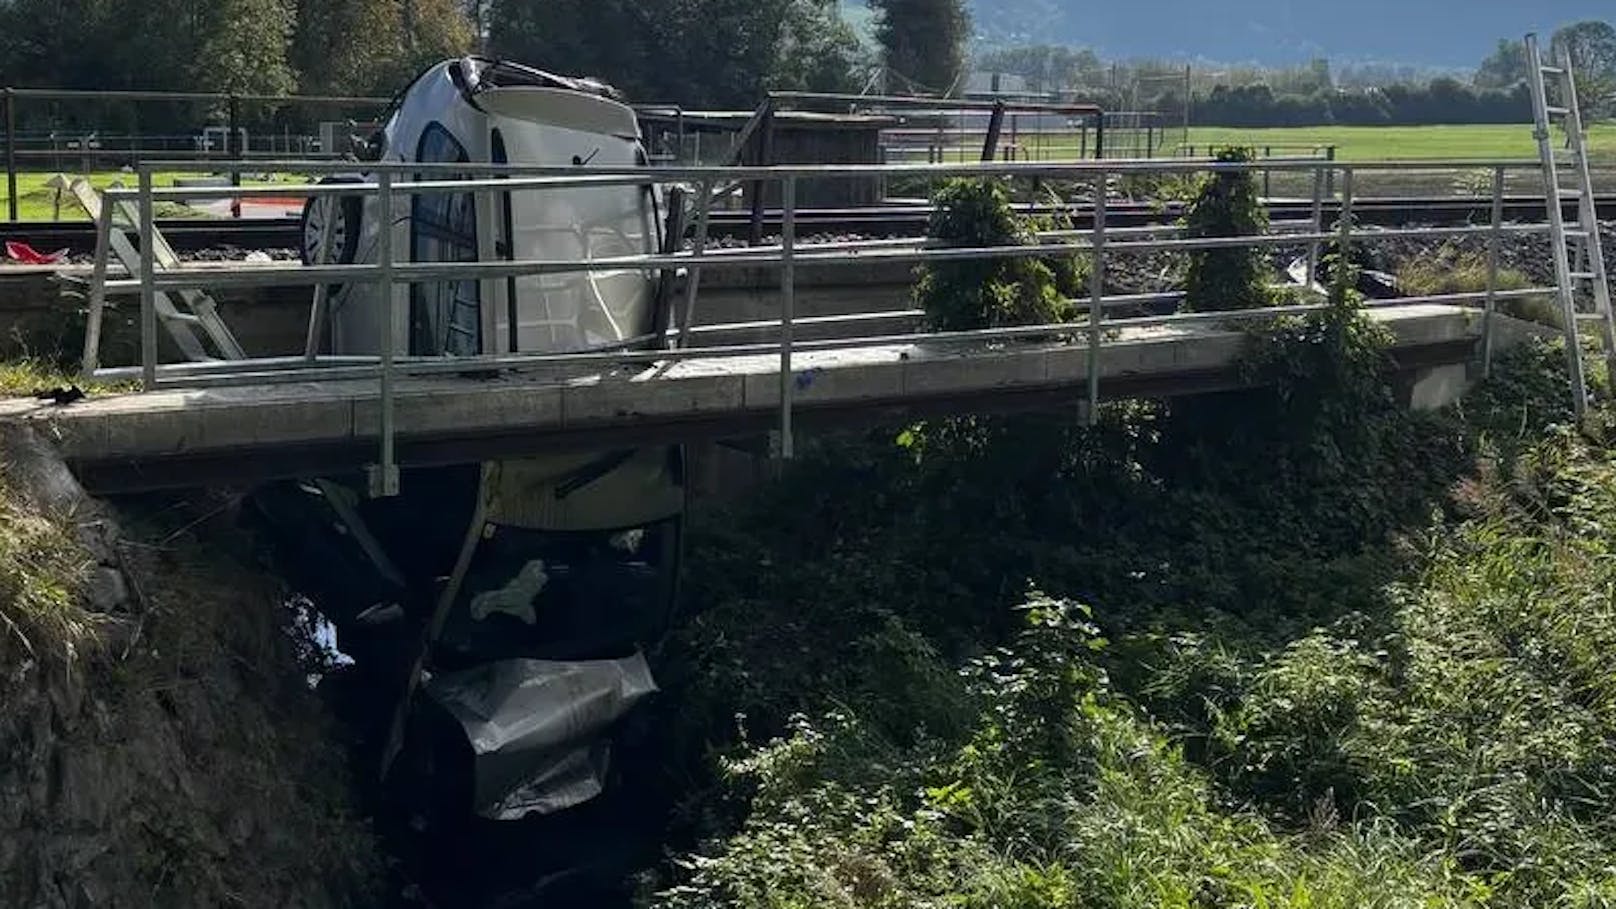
{"x": 1371, "y": 143}
{"x": 37, "y": 202}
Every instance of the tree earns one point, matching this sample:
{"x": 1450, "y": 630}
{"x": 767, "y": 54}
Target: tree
{"x": 924, "y": 40}
{"x": 354, "y": 47}
{"x": 1592, "y": 48}
{"x": 694, "y": 52}
{"x": 245, "y": 47}
{"x": 817, "y": 50}
{"x": 1505, "y": 67}
{"x": 179, "y": 45}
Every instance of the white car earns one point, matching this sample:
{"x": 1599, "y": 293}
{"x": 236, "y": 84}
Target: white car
{"x": 525, "y": 589}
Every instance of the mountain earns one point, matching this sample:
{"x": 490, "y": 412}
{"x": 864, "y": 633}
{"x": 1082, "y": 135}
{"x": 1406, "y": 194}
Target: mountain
{"x": 1437, "y": 33}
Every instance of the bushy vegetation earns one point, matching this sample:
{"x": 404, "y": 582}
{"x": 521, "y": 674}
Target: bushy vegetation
{"x": 990, "y": 293}
{"x": 41, "y": 576}
{"x": 1228, "y": 204}
{"x": 1452, "y": 269}
{"x": 1295, "y": 646}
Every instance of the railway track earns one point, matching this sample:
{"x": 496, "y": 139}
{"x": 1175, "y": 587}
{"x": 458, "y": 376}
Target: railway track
{"x": 193, "y": 235}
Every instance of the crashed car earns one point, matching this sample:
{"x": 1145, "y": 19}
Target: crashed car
{"x": 497, "y": 614}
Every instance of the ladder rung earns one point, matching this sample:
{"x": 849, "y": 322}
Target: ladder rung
{"x": 183, "y": 318}
{"x": 1590, "y": 317}
{"x": 1583, "y": 276}
{"x": 1553, "y": 70}
{"x": 1553, "y": 111}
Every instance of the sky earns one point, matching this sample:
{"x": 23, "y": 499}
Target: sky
{"x": 1438, "y": 33}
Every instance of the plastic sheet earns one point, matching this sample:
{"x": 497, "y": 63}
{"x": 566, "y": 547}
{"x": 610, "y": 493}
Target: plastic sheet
{"x": 537, "y": 728}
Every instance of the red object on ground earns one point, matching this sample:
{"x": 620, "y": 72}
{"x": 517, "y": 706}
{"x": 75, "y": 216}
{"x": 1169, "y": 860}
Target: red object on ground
{"x": 27, "y": 255}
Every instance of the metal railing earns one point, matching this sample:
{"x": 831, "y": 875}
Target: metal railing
{"x": 18, "y": 158}
{"x": 1104, "y": 313}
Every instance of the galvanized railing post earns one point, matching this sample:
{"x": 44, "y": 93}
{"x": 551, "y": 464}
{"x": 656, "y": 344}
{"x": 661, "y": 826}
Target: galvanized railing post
{"x": 384, "y": 476}
{"x": 788, "y": 311}
{"x": 1344, "y": 228}
{"x": 704, "y": 206}
{"x": 1096, "y": 298}
{"x": 1318, "y": 227}
{"x": 1494, "y": 246}
{"x": 148, "y": 289}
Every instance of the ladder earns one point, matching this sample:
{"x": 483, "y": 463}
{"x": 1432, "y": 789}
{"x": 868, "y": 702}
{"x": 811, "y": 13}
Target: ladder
{"x": 1579, "y": 259}
{"x": 199, "y": 310}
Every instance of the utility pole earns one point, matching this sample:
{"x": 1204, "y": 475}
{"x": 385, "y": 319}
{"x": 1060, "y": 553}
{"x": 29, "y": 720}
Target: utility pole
{"x": 1189, "y": 101}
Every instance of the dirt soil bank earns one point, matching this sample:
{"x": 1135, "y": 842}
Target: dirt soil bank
{"x": 159, "y": 745}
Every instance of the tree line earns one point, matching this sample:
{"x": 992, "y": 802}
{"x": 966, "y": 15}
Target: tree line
{"x": 1313, "y": 95}
{"x": 699, "y": 53}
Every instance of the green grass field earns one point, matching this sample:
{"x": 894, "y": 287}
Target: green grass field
{"x": 37, "y": 202}
{"x": 1379, "y": 143}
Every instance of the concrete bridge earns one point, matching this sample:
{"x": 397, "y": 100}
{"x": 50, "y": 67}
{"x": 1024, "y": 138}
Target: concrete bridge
{"x": 786, "y": 336}
{"x": 251, "y": 433}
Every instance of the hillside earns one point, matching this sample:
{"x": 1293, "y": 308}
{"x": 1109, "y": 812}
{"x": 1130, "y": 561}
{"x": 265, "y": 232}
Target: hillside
{"x": 1442, "y": 33}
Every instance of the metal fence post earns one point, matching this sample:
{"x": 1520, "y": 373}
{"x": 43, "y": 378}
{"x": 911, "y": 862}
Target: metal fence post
{"x": 1344, "y": 241}
{"x": 990, "y": 143}
{"x": 1494, "y": 245}
{"x": 234, "y": 151}
{"x": 148, "y": 290}
{"x": 1318, "y": 227}
{"x": 11, "y": 153}
{"x": 704, "y": 205}
{"x": 788, "y": 311}
{"x": 1096, "y": 298}
{"x": 763, "y": 158}
{"x": 384, "y": 476}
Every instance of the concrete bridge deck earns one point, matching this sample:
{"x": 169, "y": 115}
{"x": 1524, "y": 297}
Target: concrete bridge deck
{"x": 175, "y": 438}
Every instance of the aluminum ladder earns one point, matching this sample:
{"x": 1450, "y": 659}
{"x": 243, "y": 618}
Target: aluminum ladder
{"x": 199, "y": 312}
{"x": 1579, "y": 259}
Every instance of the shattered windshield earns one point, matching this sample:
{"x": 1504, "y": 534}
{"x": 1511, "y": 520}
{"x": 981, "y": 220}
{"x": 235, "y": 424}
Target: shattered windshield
{"x": 554, "y": 595}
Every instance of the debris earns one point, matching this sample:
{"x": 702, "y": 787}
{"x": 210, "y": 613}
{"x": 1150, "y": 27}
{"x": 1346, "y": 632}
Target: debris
{"x": 515, "y": 598}
{"x": 17, "y": 251}
{"x": 538, "y": 728}
{"x": 61, "y": 396}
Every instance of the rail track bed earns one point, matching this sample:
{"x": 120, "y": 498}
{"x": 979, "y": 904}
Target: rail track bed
{"x": 197, "y": 234}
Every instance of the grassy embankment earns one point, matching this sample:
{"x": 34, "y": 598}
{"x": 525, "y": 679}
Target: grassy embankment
{"x": 158, "y": 741}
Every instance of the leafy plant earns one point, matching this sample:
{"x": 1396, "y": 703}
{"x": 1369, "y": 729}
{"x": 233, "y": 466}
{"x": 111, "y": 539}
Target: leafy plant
{"x": 988, "y": 293}
{"x": 1227, "y": 205}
